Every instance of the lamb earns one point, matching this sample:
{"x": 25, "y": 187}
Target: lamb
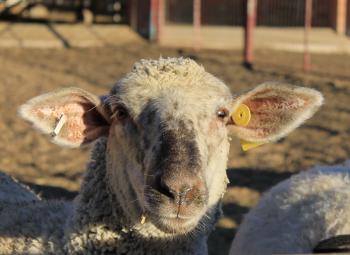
{"x": 306, "y": 213}
{"x": 157, "y": 171}
{"x": 11, "y": 191}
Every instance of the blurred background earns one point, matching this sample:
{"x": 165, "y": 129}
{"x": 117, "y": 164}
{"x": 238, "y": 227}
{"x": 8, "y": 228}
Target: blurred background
{"x": 48, "y": 44}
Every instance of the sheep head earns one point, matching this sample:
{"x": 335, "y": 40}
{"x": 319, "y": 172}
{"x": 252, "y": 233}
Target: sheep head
{"x": 167, "y": 123}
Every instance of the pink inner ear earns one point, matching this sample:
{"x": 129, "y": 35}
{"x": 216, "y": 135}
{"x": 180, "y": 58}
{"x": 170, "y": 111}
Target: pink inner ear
{"x": 83, "y": 122}
{"x": 270, "y": 111}
{"x": 275, "y": 103}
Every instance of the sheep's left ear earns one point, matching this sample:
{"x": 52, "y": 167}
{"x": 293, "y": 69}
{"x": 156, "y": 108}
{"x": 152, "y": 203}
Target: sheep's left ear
{"x": 73, "y": 117}
{"x": 271, "y": 111}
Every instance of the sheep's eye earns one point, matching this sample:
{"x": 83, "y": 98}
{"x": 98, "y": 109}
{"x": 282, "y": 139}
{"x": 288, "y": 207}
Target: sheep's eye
{"x": 121, "y": 113}
{"x": 222, "y": 113}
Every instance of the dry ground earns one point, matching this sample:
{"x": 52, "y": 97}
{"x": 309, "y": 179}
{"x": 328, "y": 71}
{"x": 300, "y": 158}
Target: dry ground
{"x": 57, "y": 172}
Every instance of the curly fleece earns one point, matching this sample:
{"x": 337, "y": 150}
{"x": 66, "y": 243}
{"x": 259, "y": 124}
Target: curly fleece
{"x": 295, "y": 215}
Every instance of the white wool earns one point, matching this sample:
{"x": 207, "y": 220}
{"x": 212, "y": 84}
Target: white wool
{"x": 11, "y": 191}
{"x": 298, "y": 213}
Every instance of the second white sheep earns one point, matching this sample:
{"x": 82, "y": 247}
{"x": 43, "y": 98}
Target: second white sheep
{"x": 308, "y": 212}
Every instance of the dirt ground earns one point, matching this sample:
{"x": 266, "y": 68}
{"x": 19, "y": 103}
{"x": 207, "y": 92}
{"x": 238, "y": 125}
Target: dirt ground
{"x": 57, "y": 172}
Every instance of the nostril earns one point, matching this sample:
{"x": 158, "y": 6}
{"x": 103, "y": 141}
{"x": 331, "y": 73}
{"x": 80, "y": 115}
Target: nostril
{"x": 163, "y": 188}
{"x": 178, "y": 192}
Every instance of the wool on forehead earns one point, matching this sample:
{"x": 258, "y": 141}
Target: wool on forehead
{"x": 168, "y": 78}
{"x": 166, "y": 72}
{"x": 167, "y": 69}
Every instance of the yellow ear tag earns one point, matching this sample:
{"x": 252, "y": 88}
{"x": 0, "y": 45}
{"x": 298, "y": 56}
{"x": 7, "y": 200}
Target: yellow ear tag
{"x": 241, "y": 117}
{"x": 248, "y": 145}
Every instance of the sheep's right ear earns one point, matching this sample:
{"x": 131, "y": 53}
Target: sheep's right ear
{"x": 271, "y": 111}
{"x": 72, "y": 116}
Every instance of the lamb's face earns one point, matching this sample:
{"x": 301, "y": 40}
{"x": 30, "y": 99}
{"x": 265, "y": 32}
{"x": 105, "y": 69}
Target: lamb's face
{"x": 173, "y": 142}
{"x": 167, "y": 145}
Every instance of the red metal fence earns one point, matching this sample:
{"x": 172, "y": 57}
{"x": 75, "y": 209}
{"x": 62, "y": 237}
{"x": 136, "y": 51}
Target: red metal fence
{"x": 256, "y": 13}
{"x": 232, "y": 13}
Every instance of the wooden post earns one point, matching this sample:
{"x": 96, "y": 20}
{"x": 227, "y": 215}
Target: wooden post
{"x": 133, "y": 14}
{"x": 153, "y": 22}
{"x": 160, "y": 21}
{"x": 348, "y": 18}
{"x": 249, "y": 33}
{"x": 157, "y": 19}
{"x": 196, "y": 24}
{"x": 308, "y": 19}
{"x": 339, "y": 15}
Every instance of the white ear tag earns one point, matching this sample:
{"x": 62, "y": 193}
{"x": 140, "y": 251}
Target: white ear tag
{"x": 61, "y": 121}
{"x": 143, "y": 219}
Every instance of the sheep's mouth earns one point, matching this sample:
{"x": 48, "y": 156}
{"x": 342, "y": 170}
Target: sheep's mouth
{"x": 172, "y": 217}
{"x": 174, "y": 225}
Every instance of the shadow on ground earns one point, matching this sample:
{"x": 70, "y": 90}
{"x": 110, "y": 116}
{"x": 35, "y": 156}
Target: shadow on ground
{"x": 259, "y": 180}
{"x": 51, "y": 192}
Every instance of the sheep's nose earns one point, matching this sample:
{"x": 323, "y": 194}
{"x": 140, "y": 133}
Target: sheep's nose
{"x": 181, "y": 190}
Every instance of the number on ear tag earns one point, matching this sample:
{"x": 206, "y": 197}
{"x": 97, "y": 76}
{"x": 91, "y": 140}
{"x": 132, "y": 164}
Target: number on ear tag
{"x": 242, "y": 115}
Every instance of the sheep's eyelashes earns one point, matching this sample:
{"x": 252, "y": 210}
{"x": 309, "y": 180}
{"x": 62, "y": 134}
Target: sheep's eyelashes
{"x": 120, "y": 113}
